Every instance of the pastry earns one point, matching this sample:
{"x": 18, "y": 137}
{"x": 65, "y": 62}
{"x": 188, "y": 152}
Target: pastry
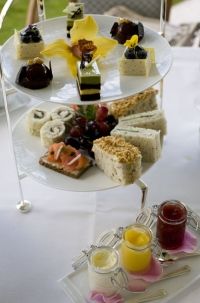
{"x": 147, "y": 140}
{"x": 28, "y": 43}
{"x": 153, "y": 119}
{"x": 135, "y": 61}
{"x": 36, "y": 118}
{"x": 119, "y": 160}
{"x": 35, "y": 74}
{"x": 64, "y": 113}
{"x": 74, "y": 12}
{"x": 124, "y": 29}
{"x": 52, "y": 132}
{"x": 66, "y": 160}
{"x": 88, "y": 80}
{"x": 141, "y": 102}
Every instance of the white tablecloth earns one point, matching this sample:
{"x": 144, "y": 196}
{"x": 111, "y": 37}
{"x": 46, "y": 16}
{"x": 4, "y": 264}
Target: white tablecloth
{"x": 36, "y": 249}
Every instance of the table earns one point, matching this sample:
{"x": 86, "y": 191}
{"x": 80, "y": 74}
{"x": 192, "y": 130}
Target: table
{"x": 37, "y": 247}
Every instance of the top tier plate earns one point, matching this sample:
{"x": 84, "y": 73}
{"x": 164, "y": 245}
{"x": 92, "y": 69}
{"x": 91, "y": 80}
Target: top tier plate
{"x": 63, "y": 88}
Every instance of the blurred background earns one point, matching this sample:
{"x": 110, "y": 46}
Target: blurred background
{"x": 16, "y": 17}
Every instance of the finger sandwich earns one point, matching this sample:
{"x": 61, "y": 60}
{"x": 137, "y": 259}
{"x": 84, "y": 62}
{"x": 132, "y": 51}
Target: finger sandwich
{"x": 141, "y": 102}
{"x": 152, "y": 119}
{"x": 121, "y": 161}
{"x": 147, "y": 140}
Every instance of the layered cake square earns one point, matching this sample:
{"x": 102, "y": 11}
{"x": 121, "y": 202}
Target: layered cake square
{"x": 88, "y": 81}
{"x": 74, "y": 12}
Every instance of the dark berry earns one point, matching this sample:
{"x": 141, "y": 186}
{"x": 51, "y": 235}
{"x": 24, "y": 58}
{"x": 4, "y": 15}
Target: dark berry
{"x": 103, "y": 128}
{"x": 111, "y": 121}
{"x": 81, "y": 121}
{"x": 101, "y": 113}
{"x": 74, "y": 142}
{"x": 141, "y": 53}
{"x": 130, "y": 53}
{"x": 76, "y": 131}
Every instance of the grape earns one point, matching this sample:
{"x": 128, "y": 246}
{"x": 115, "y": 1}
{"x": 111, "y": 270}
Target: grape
{"x": 81, "y": 121}
{"x": 74, "y": 142}
{"x": 104, "y": 128}
{"x": 101, "y": 113}
{"x": 76, "y": 131}
{"x": 111, "y": 121}
{"x": 92, "y": 130}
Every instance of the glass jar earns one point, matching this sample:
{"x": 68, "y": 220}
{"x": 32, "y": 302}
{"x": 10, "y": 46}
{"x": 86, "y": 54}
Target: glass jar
{"x": 104, "y": 274}
{"x": 135, "y": 248}
{"x": 171, "y": 224}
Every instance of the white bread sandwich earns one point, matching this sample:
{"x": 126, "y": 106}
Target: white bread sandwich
{"x": 52, "y": 132}
{"x": 147, "y": 140}
{"x": 35, "y": 119}
{"x": 153, "y": 119}
{"x": 141, "y": 102}
{"x": 119, "y": 160}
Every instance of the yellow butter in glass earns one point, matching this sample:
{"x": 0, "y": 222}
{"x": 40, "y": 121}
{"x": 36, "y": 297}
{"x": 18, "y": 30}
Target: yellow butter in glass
{"x": 135, "y": 249}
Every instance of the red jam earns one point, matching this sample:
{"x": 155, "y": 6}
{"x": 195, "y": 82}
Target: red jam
{"x": 171, "y": 223}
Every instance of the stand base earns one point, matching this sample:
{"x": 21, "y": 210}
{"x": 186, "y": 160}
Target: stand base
{"x": 24, "y": 206}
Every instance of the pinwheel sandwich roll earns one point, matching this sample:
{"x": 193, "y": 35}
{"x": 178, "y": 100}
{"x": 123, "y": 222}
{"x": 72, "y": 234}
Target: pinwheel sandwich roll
{"x": 52, "y": 132}
{"x": 36, "y": 118}
{"x": 64, "y": 113}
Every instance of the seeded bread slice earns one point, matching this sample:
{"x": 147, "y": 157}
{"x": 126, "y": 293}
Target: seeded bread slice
{"x": 60, "y": 169}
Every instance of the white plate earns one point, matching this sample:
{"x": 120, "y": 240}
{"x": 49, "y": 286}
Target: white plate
{"x": 75, "y": 284}
{"x": 63, "y": 88}
{"x": 28, "y": 150}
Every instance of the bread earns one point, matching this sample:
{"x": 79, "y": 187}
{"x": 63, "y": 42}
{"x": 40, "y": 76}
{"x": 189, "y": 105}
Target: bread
{"x": 35, "y": 119}
{"x": 147, "y": 140}
{"x": 141, "y": 102}
{"x": 60, "y": 169}
{"x": 152, "y": 119}
{"x": 119, "y": 160}
{"x": 64, "y": 113}
{"x": 52, "y": 132}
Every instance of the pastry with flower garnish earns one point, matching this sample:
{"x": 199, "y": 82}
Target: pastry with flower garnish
{"x": 119, "y": 160}
{"x": 88, "y": 74}
{"x": 136, "y": 60}
{"x": 124, "y": 29}
{"x": 35, "y": 74}
{"x": 74, "y": 12}
{"x": 28, "y": 43}
{"x": 66, "y": 160}
{"x": 83, "y": 29}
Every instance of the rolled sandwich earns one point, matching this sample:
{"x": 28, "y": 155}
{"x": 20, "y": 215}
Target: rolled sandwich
{"x": 147, "y": 140}
{"x": 119, "y": 160}
{"x": 36, "y": 118}
{"x": 152, "y": 119}
{"x": 64, "y": 113}
{"x": 52, "y": 132}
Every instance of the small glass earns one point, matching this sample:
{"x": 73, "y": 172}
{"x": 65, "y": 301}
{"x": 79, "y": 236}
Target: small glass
{"x": 104, "y": 274}
{"x": 171, "y": 224}
{"x": 136, "y": 248}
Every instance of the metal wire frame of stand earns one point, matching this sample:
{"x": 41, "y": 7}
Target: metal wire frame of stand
{"x": 23, "y": 205}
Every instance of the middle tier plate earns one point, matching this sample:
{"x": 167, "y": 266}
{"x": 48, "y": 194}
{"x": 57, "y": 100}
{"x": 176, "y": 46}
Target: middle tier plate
{"x": 28, "y": 150}
{"x": 63, "y": 88}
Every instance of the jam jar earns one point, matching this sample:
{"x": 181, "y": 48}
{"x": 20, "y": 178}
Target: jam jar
{"x": 136, "y": 248}
{"x": 171, "y": 224}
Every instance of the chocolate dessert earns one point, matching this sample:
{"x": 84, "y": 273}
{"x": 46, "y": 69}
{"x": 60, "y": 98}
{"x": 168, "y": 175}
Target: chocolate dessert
{"x": 35, "y": 74}
{"x": 124, "y": 29}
